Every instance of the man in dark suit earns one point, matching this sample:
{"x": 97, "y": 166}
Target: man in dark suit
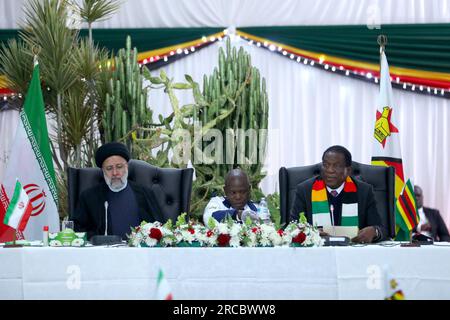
{"x": 336, "y": 198}
{"x": 431, "y": 223}
{"x": 126, "y": 202}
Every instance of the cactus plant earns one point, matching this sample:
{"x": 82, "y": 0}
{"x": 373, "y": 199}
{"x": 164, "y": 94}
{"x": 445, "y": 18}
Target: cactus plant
{"x": 126, "y": 101}
{"x": 236, "y": 89}
{"x": 233, "y": 99}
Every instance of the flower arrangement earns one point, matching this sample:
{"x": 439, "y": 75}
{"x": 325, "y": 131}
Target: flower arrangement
{"x": 187, "y": 232}
{"x": 227, "y": 233}
{"x": 302, "y": 234}
{"x": 152, "y": 235}
{"x": 261, "y": 235}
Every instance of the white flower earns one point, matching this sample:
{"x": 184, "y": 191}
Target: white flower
{"x": 253, "y": 239}
{"x": 235, "y": 230}
{"x": 135, "y": 242}
{"x": 55, "y": 243}
{"x": 150, "y": 242}
{"x": 187, "y": 236}
{"x": 77, "y": 242}
{"x": 235, "y": 242}
{"x": 222, "y": 228}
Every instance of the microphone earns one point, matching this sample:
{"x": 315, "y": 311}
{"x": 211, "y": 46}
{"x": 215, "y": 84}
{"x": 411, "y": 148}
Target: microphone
{"x": 100, "y": 240}
{"x": 106, "y": 218}
{"x": 332, "y": 218}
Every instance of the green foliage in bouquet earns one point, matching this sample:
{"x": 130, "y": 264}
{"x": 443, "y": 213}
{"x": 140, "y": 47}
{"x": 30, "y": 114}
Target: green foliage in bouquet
{"x": 181, "y": 220}
{"x": 303, "y": 219}
{"x": 273, "y": 203}
{"x": 211, "y": 223}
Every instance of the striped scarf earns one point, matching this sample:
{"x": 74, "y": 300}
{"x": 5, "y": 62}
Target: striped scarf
{"x": 321, "y": 208}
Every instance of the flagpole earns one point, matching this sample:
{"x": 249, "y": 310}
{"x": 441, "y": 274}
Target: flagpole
{"x": 14, "y": 244}
{"x": 382, "y": 42}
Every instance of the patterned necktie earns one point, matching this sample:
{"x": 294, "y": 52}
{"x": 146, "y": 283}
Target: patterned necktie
{"x": 334, "y": 193}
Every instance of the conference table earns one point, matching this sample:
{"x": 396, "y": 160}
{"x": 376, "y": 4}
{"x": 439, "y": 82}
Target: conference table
{"x": 355, "y": 272}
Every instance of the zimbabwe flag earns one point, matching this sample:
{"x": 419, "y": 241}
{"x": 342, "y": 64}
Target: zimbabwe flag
{"x": 386, "y": 150}
{"x": 406, "y": 216}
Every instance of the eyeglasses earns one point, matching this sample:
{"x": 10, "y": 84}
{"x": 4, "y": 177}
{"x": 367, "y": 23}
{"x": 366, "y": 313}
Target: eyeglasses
{"x": 118, "y": 167}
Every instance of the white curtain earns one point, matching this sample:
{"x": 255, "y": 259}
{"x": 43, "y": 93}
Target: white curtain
{"x": 8, "y": 125}
{"x": 239, "y": 13}
{"x": 312, "y": 109}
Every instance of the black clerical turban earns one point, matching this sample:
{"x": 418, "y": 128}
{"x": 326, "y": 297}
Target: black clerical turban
{"x": 111, "y": 149}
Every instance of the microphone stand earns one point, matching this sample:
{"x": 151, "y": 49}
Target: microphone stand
{"x": 332, "y": 219}
{"x": 100, "y": 240}
{"x": 106, "y": 218}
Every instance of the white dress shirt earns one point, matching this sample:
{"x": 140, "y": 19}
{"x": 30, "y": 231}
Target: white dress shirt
{"x": 423, "y": 220}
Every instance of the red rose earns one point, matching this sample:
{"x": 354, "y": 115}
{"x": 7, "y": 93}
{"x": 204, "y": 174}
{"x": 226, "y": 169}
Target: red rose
{"x": 138, "y": 229}
{"x": 300, "y": 238}
{"x": 155, "y": 233}
{"x": 223, "y": 239}
{"x": 254, "y": 230}
{"x": 192, "y": 231}
{"x": 280, "y": 232}
{"x": 209, "y": 233}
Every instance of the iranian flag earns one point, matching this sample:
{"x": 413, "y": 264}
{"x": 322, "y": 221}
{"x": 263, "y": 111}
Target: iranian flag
{"x": 163, "y": 291}
{"x": 31, "y": 163}
{"x": 19, "y": 209}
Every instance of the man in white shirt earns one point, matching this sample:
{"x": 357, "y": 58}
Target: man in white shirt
{"x": 236, "y": 200}
{"x": 431, "y": 223}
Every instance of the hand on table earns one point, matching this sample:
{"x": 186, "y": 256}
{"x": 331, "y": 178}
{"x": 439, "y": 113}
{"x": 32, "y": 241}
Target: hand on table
{"x": 425, "y": 227}
{"x": 365, "y": 235}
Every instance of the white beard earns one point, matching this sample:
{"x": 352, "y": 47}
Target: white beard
{"x": 117, "y": 185}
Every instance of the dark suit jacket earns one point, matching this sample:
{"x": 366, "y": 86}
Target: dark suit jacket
{"x": 90, "y": 213}
{"x": 367, "y": 209}
{"x": 438, "y": 228}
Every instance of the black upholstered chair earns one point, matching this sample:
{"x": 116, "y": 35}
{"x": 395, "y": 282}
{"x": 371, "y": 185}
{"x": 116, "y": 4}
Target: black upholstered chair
{"x": 172, "y": 187}
{"x": 381, "y": 178}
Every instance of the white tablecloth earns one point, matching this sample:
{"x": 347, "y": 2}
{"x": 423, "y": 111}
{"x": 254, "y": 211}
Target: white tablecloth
{"x": 223, "y": 273}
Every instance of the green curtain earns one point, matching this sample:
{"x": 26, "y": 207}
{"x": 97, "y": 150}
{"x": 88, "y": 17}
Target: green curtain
{"x": 142, "y": 39}
{"x": 415, "y": 46}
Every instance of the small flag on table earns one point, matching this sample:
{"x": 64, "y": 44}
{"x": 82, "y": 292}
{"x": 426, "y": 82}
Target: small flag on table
{"x": 19, "y": 209}
{"x": 163, "y": 291}
{"x": 406, "y": 216}
{"x": 392, "y": 290}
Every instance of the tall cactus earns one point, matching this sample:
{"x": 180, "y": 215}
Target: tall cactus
{"x": 126, "y": 100}
{"x": 234, "y": 89}
{"x": 233, "y": 99}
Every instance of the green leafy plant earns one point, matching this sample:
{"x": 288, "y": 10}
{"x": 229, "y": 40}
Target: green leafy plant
{"x": 70, "y": 71}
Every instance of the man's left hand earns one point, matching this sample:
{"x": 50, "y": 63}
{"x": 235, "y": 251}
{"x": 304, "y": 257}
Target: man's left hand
{"x": 365, "y": 235}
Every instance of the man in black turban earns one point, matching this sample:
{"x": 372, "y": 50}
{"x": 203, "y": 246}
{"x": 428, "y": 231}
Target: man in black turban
{"x": 125, "y": 202}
